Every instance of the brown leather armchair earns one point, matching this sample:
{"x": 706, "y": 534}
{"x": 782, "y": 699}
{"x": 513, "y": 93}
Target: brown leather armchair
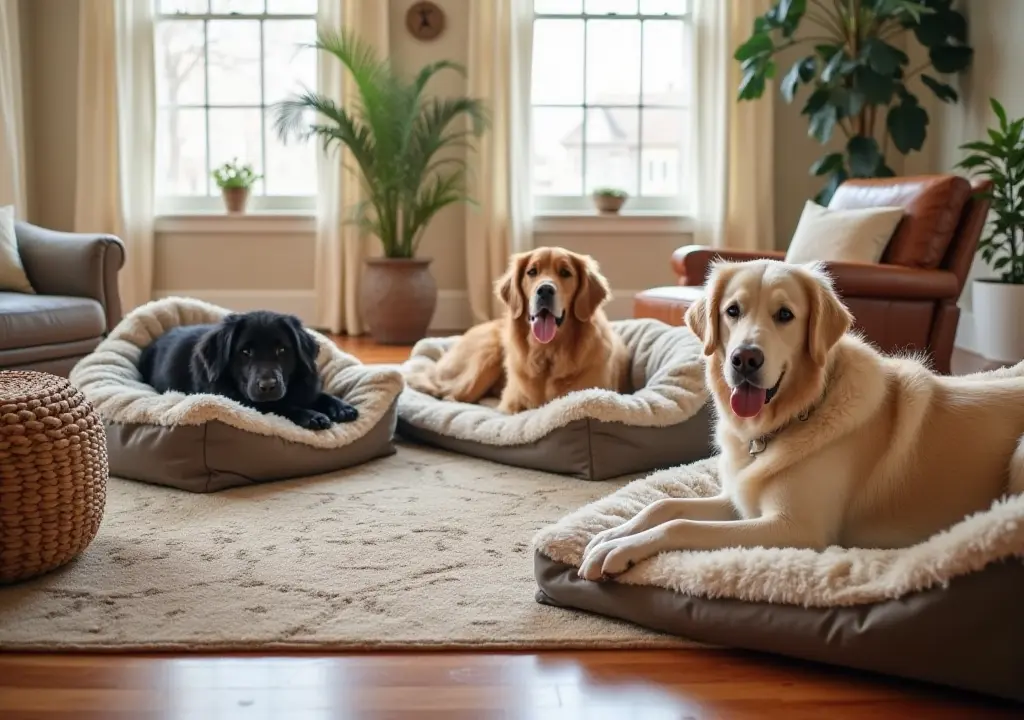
{"x": 908, "y": 301}
{"x": 76, "y": 301}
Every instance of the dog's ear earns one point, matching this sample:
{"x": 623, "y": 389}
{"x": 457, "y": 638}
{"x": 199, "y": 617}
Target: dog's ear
{"x": 509, "y": 286}
{"x": 306, "y": 346}
{"x": 212, "y": 356}
{"x": 829, "y": 319}
{"x": 703, "y": 315}
{"x": 593, "y": 289}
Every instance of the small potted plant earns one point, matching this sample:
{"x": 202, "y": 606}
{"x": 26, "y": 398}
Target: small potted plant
{"x": 609, "y": 200}
{"x": 235, "y": 182}
{"x": 998, "y": 302}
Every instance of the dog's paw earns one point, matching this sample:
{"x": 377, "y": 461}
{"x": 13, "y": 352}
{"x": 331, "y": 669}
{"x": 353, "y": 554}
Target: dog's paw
{"x": 340, "y": 411}
{"x": 313, "y": 420}
{"x": 613, "y": 558}
{"x": 607, "y": 535}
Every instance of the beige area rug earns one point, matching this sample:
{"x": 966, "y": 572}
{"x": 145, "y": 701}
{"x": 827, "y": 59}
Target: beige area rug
{"x": 424, "y": 549}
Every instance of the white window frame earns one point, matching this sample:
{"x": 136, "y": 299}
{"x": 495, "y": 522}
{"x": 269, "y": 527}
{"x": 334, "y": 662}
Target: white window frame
{"x": 571, "y": 205}
{"x": 172, "y": 205}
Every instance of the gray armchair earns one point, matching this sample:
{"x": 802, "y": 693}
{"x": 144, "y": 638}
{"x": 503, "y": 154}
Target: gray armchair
{"x": 75, "y": 305}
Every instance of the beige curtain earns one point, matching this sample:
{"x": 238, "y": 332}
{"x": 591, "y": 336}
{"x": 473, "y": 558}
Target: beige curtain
{"x": 340, "y": 246}
{"x": 115, "y": 134}
{"x": 13, "y": 187}
{"x": 500, "y": 49}
{"x": 733, "y": 205}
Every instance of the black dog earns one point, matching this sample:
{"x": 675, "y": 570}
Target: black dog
{"x": 261, "y": 359}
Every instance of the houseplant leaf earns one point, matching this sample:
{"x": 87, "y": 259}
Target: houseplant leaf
{"x": 865, "y": 156}
{"x": 942, "y": 91}
{"x": 907, "y": 124}
{"x": 950, "y": 58}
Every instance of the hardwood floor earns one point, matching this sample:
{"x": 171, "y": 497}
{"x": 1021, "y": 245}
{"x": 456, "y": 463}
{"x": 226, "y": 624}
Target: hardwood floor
{"x": 638, "y": 685}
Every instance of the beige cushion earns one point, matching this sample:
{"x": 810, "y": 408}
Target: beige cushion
{"x": 859, "y": 235}
{"x": 12, "y": 272}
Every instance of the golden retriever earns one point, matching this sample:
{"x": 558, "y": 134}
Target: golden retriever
{"x": 553, "y": 339}
{"x": 823, "y": 440}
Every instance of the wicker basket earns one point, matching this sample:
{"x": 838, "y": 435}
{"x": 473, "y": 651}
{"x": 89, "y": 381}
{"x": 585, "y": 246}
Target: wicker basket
{"x": 53, "y": 473}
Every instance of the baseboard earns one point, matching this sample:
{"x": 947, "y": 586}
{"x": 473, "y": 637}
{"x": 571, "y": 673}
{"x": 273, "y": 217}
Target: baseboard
{"x": 966, "y": 337}
{"x": 453, "y": 313}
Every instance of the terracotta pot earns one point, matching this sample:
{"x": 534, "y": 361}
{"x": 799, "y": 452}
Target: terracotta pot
{"x": 398, "y": 297}
{"x": 609, "y": 204}
{"x": 235, "y": 199}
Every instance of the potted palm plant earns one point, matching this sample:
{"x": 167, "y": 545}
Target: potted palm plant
{"x": 400, "y": 141}
{"x": 998, "y": 302}
{"x": 235, "y": 182}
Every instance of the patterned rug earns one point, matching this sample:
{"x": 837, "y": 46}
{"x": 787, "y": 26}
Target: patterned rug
{"x": 424, "y": 549}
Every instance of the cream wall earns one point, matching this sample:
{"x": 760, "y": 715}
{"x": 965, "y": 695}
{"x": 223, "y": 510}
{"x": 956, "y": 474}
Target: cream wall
{"x": 271, "y": 261}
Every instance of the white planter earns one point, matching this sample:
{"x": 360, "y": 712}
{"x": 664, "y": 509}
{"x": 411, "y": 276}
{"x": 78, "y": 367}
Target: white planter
{"x": 998, "y": 310}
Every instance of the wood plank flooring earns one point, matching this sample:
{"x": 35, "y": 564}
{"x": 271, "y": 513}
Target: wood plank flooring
{"x": 619, "y": 685}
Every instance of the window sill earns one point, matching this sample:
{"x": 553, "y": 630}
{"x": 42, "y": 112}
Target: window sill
{"x": 256, "y": 221}
{"x": 624, "y": 224}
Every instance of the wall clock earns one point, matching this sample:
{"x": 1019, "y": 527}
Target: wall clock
{"x": 425, "y": 20}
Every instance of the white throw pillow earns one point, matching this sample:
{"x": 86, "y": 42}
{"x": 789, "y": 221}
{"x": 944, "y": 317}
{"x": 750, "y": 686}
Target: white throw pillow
{"x": 859, "y": 235}
{"x": 12, "y": 272}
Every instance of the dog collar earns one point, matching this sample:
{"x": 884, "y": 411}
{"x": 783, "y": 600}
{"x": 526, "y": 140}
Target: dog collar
{"x": 759, "y": 444}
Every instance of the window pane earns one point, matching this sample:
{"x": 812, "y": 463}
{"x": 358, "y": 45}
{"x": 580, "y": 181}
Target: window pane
{"x": 181, "y": 167}
{"x": 666, "y": 49}
{"x": 180, "y": 73}
{"x": 234, "y": 57}
{"x": 291, "y": 7}
{"x": 236, "y": 134}
{"x": 169, "y": 7}
{"x": 558, "y": 62}
{"x": 558, "y": 151}
{"x": 662, "y": 7}
{"x": 225, "y": 7}
{"x": 288, "y": 67}
{"x": 612, "y": 148}
{"x": 558, "y": 7}
{"x": 613, "y": 62}
{"x": 665, "y": 137}
{"x": 291, "y": 168}
{"x": 619, "y": 7}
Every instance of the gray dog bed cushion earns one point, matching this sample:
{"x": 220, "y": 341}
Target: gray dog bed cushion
{"x": 592, "y": 434}
{"x": 206, "y": 443}
{"x": 947, "y": 610}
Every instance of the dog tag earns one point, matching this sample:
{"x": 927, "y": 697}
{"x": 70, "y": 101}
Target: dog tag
{"x": 757, "y": 446}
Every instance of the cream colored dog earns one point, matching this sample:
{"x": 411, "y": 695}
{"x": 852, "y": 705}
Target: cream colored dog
{"x": 824, "y": 441}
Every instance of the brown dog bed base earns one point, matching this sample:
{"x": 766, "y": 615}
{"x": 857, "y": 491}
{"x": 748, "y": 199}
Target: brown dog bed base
{"x": 592, "y": 434}
{"x": 946, "y": 611}
{"x": 206, "y": 443}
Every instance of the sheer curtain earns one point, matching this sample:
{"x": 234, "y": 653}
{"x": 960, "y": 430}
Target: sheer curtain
{"x": 734, "y": 142}
{"x": 13, "y": 188}
{"x": 500, "y": 49}
{"x": 340, "y": 246}
{"x": 116, "y": 147}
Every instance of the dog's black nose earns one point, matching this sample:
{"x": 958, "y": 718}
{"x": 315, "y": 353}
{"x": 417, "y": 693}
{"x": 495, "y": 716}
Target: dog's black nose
{"x": 546, "y": 291}
{"x": 266, "y": 384}
{"x": 747, "y": 359}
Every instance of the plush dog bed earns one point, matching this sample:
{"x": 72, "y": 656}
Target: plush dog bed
{"x": 946, "y": 611}
{"x": 593, "y": 434}
{"x": 206, "y": 443}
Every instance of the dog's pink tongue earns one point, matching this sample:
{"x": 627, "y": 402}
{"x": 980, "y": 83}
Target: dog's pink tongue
{"x": 747, "y": 400}
{"x": 544, "y": 327}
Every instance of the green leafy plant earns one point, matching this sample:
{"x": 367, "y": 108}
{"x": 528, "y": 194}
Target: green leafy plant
{"x": 860, "y": 80}
{"x": 235, "y": 175}
{"x": 396, "y": 135}
{"x": 610, "y": 192}
{"x": 1001, "y": 160}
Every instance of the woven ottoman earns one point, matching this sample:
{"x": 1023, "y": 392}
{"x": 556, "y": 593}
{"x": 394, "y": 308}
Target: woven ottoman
{"x": 53, "y": 474}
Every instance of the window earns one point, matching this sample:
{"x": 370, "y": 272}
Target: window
{"x": 611, "y": 92}
{"x": 220, "y": 65}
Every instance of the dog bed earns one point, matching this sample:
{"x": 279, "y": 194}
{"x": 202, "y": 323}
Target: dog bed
{"x": 946, "y": 611}
{"x": 206, "y": 443}
{"x": 592, "y": 434}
